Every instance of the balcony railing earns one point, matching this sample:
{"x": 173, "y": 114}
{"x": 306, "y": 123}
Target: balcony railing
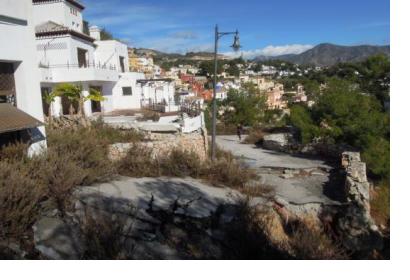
{"x": 78, "y": 66}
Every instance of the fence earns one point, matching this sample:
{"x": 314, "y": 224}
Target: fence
{"x": 69, "y": 65}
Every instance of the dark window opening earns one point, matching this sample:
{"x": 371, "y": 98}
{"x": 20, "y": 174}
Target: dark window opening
{"x": 7, "y": 83}
{"x": 126, "y": 91}
{"x": 66, "y": 104}
{"x": 46, "y": 107}
{"x": 14, "y": 137}
{"x": 96, "y": 105}
{"x": 122, "y": 64}
{"x": 82, "y": 57}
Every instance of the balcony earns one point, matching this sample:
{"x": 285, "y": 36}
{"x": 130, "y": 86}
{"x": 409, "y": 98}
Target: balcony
{"x": 65, "y": 73}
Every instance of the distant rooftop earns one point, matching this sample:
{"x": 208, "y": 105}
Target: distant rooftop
{"x": 75, "y": 3}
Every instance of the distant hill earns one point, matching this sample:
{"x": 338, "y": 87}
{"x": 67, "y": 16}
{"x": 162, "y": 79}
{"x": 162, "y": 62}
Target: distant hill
{"x": 196, "y": 56}
{"x": 329, "y": 54}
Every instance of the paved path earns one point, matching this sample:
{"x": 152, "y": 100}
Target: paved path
{"x": 270, "y": 164}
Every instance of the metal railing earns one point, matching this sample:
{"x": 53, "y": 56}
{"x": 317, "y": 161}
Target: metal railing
{"x": 69, "y": 65}
{"x": 192, "y": 109}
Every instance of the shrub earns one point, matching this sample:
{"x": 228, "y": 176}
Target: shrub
{"x": 86, "y": 149}
{"x": 228, "y": 172}
{"x": 255, "y": 137}
{"x": 181, "y": 163}
{"x": 20, "y": 197}
{"x": 148, "y": 115}
{"x": 380, "y": 203}
{"x": 105, "y": 236}
{"x": 15, "y": 151}
{"x": 308, "y": 241}
{"x": 248, "y": 236}
{"x": 60, "y": 174}
{"x": 139, "y": 162}
{"x": 112, "y": 135}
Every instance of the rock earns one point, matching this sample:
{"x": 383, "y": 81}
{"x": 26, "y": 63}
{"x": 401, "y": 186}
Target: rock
{"x": 359, "y": 232}
{"x": 57, "y": 240}
{"x": 286, "y": 176}
{"x": 276, "y": 141}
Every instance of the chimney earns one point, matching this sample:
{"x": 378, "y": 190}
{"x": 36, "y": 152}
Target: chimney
{"x": 95, "y": 32}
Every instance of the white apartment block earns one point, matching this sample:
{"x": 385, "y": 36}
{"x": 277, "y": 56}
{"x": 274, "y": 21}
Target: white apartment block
{"x": 67, "y": 54}
{"x": 21, "y": 113}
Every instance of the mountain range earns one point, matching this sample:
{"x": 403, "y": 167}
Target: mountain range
{"x": 321, "y": 55}
{"x": 329, "y": 54}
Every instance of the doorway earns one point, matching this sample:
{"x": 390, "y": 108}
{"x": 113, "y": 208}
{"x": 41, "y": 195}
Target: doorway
{"x": 82, "y": 57}
{"x": 45, "y": 91}
{"x": 96, "y": 105}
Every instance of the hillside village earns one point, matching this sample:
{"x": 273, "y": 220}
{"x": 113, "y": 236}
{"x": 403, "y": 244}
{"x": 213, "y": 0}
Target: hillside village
{"x": 89, "y": 123}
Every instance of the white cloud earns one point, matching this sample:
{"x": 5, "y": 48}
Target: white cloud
{"x": 271, "y": 51}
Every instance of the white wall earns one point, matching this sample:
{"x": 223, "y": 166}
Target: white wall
{"x": 109, "y": 52}
{"x": 158, "y": 91}
{"x": 17, "y": 45}
{"x": 58, "y": 12}
{"x": 61, "y": 50}
{"x": 132, "y": 102}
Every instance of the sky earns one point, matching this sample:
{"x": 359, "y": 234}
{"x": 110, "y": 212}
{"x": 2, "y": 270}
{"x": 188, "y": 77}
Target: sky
{"x": 266, "y": 27}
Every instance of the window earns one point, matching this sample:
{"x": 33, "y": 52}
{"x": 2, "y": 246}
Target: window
{"x": 126, "y": 91}
{"x": 73, "y": 11}
{"x": 122, "y": 65}
{"x": 82, "y": 57}
{"x": 7, "y": 83}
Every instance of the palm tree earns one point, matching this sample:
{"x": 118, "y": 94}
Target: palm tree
{"x": 73, "y": 94}
{"x": 49, "y": 98}
{"x": 95, "y": 95}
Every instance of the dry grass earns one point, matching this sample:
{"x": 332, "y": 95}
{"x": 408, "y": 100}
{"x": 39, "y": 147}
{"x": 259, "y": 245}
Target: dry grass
{"x": 380, "y": 204}
{"x": 148, "y": 115}
{"x": 104, "y": 236}
{"x": 308, "y": 241}
{"x": 225, "y": 171}
{"x": 257, "y": 190}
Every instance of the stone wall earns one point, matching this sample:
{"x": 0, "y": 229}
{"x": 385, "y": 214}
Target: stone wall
{"x": 355, "y": 224}
{"x": 163, "y": 143}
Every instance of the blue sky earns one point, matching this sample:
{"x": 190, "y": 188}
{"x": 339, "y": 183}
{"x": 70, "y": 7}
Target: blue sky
{"x": 267, "y": 27}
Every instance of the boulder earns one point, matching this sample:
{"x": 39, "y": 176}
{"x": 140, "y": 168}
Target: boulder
{"x": 277, "y": 141}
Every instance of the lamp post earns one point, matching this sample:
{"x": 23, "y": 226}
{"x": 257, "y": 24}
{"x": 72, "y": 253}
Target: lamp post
{"x": 236, "y": 46}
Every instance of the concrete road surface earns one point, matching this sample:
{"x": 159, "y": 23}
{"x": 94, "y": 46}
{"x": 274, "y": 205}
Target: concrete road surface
{"x": 270, "y": 165}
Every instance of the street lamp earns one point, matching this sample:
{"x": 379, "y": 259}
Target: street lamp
{"x": 236, "y": 46}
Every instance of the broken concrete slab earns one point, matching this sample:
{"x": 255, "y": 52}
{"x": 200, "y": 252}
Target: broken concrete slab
{"x": 159, "y": 128}
{"x": 201, "y": 198}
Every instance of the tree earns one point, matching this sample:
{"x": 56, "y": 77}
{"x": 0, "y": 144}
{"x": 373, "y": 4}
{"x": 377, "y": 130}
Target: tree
{"x": 257, "y": 67}
{"x": 106, "y": 35}
{"x": 49, "y": 98}
{"x": 207, "y": 68}
{"x": 72, "y": 93}
{"x": 233, "y": 69}
{"x": 245, "y": 107}
{"x": 343, "y": 115}
{"x": 95, "y": 95}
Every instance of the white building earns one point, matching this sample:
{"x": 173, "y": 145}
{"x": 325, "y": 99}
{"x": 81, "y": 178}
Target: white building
{"x": 67, "y": 54}
{"x": 19, "y": 77}
{"x": 158, "y": 92}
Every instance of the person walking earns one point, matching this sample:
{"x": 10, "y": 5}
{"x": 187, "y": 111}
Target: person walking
{"x": 239, "y": 130}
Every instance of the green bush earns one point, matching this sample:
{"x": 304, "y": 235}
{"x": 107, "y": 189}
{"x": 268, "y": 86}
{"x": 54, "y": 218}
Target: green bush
{"x": 343, "y": 115}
